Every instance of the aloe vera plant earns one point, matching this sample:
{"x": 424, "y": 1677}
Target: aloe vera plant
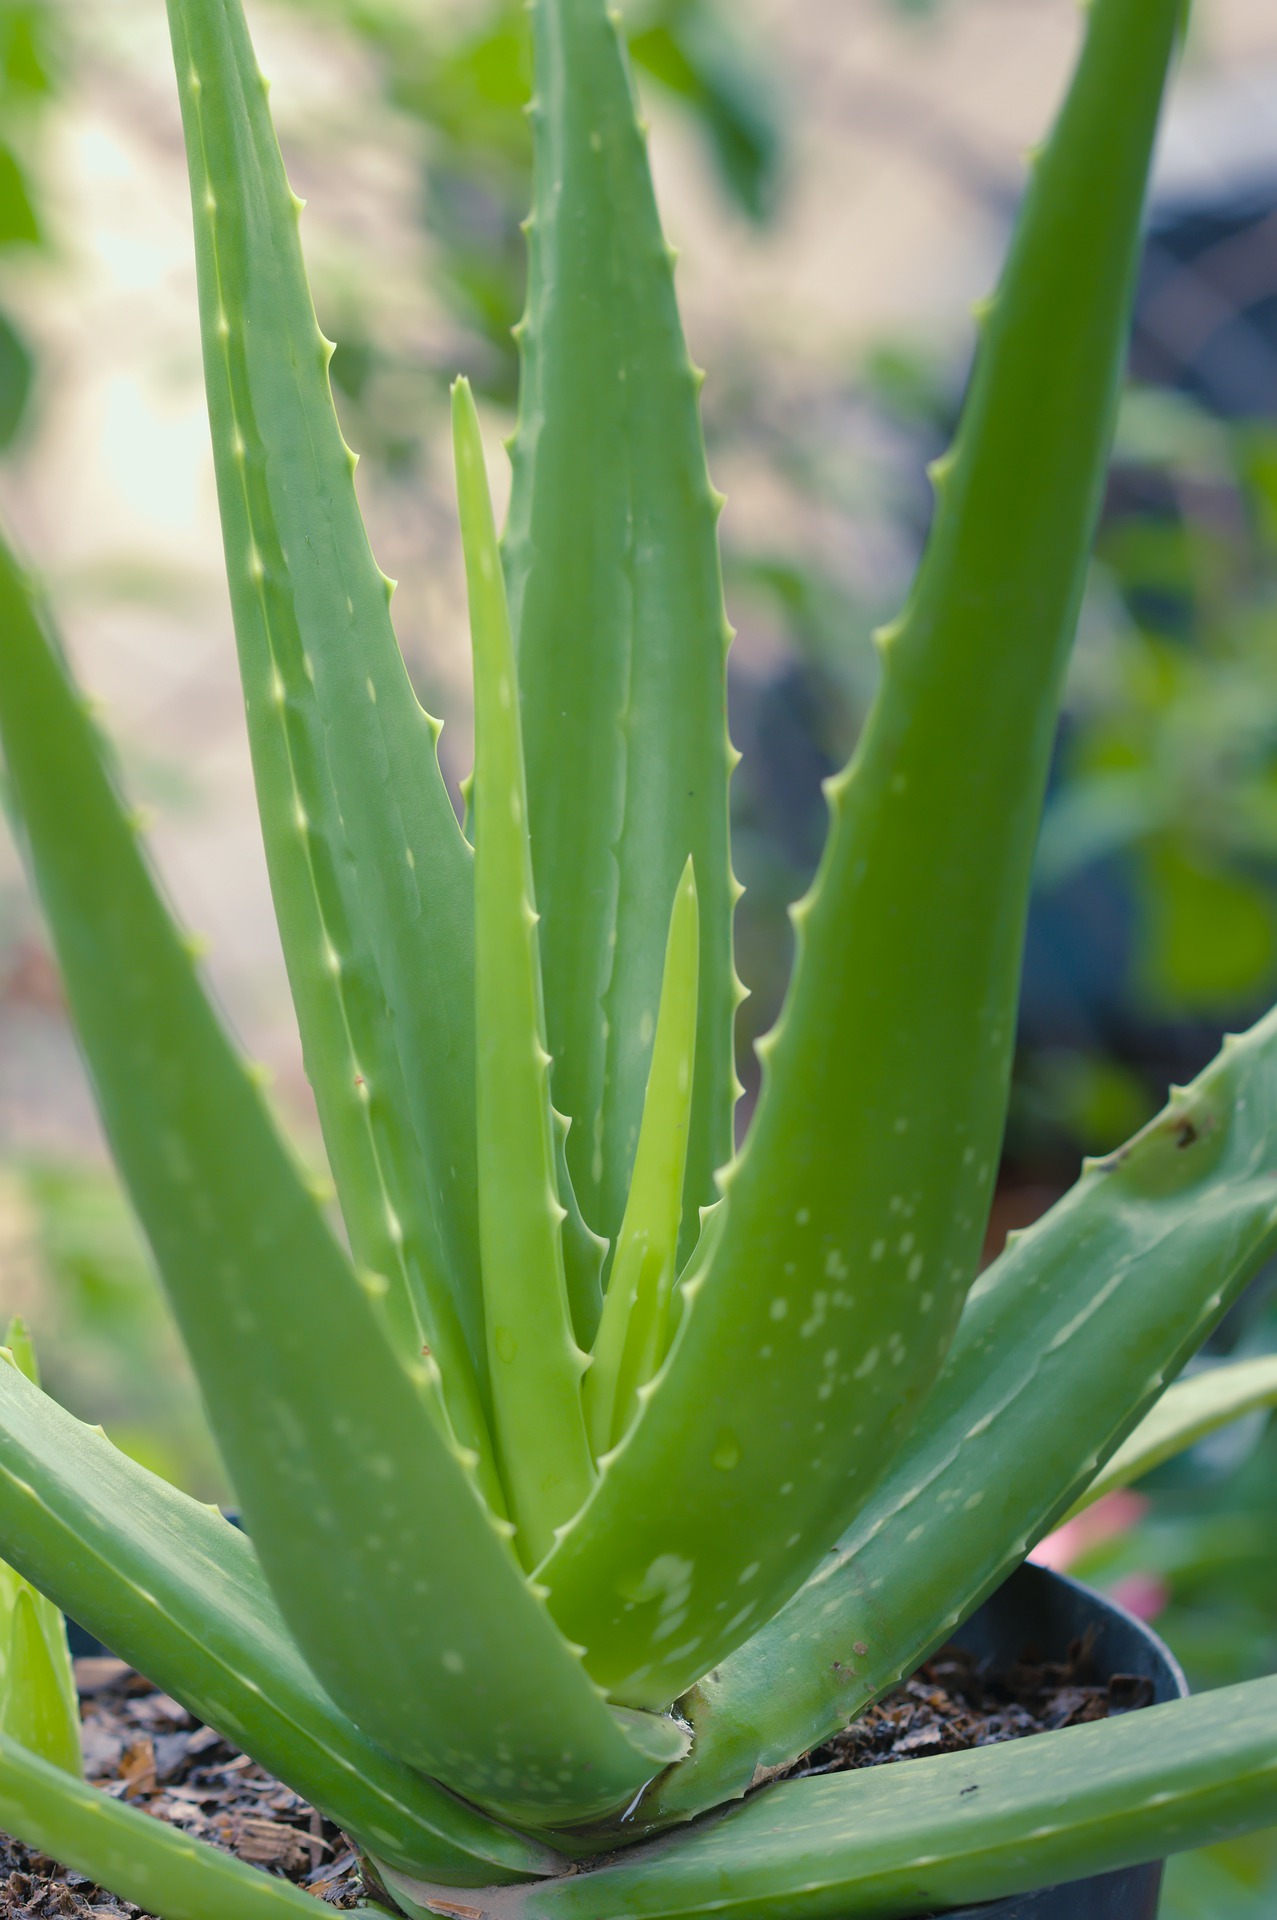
{"x": 542, "y": 1462}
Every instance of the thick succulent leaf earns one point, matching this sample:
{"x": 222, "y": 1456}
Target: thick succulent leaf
{"x": 35, "y": 1705}
{"x": 357, "y": 1503}
{"x": 823, "y": 1302}
{"x": 173, "y": 1588}
{"x": 633, "y": 1331}
{"x": 39, "y": 1705}
{"x": 616, "y": 598}
{"x": 882, "y": 1843}
{"x": 534, "y": 1362}
{"x": 371, "y": 875}
{"x": 1185, "y": 1414}
{"x": 1066, "y": 1342}
{"x": 141, "y": 1859}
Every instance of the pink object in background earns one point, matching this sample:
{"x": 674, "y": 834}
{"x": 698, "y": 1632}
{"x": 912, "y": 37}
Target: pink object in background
{"x": 1143, "y": 1594}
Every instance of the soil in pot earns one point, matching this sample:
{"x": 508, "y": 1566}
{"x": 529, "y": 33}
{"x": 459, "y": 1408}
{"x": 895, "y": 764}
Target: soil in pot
{"x": 140, "y": 1745}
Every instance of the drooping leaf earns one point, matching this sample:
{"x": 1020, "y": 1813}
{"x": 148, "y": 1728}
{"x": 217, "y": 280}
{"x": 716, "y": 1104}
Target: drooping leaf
{"x": 825, "y": 1296}
{"x": 888, "y": 1843}
{"x": 616, "y": 600}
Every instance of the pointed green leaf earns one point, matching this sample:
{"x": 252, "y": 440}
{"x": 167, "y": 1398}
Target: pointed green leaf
{"x": 633, "y": 1333}
{"x": 616, "y": 597}
{"x": 826, "y": 1294}
{"x": 39, "y": 1705}
{"x": 173, "y": 1588}
{"x": 534, "y": 1363}
{"x": 158, "y": 1867}
{"x": 370, "y": 873}
{"x": 34, "y": 1710}
{"x": 355, "y": 1498}
{"x": 1069, "y": 1337}
{"x": 889, "y": 1843}
{"x": 1185, "y": 1414}
{"x": 584, "y": 1251}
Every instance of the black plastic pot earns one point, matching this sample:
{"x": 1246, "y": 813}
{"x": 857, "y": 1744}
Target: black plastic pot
{"x": 1046, "y": 1612}
{"x": 1041, "y": 1613}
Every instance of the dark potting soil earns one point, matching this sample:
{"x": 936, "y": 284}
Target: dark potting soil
{"x": 142, "y": 1747}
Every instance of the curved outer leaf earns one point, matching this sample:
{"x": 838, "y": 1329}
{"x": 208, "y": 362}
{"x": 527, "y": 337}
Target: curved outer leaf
{"x": 140, "y": 1858}
{"x": 379, "y": 946}
{"x": 881, "y": 1843}
{"x": 616, "y": 600}
{"x": 1184, "y": 1415}
{"x": 1069, "y": 1336}
{"x": 534, "y": 1362}
{"x": 174, "y": 1589}
{"x": 824, "y": 1302}
{"x": 359, "y": 1509}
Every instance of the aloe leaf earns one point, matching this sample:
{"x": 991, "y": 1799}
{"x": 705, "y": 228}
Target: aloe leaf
{"x": 1066, "y": 1342}
{"x": 584, "y": 1251}
{"x": 616, "y": 600}
{"x": 534, "y": 1363}
{"x": 371, "y": 875}
{"x": 882, "y": 1843}
{"x": 159, "y": 1868}
{"x": 173, "y": 1588}
{"x": 633, "y": 1331}
{"x": 35, "y": 1706}
{"x": 357, "y": 1502}
{"x": 39, "y": 1705}
{"x": 1185, "y": 1414}
{"x": 819, "y": 1311}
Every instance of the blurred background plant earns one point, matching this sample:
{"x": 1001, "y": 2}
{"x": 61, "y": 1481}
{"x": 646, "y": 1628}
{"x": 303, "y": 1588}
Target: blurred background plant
{"x": 837, "y": 340}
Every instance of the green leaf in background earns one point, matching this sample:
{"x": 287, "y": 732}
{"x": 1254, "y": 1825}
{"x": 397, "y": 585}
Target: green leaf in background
{"x": 17, "y": 374}
{"x": 18, "y": 223}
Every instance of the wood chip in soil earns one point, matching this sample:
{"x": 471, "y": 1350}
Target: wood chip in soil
{"x": 955, "y": 1702}
{"x": 142, "y": 1747}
